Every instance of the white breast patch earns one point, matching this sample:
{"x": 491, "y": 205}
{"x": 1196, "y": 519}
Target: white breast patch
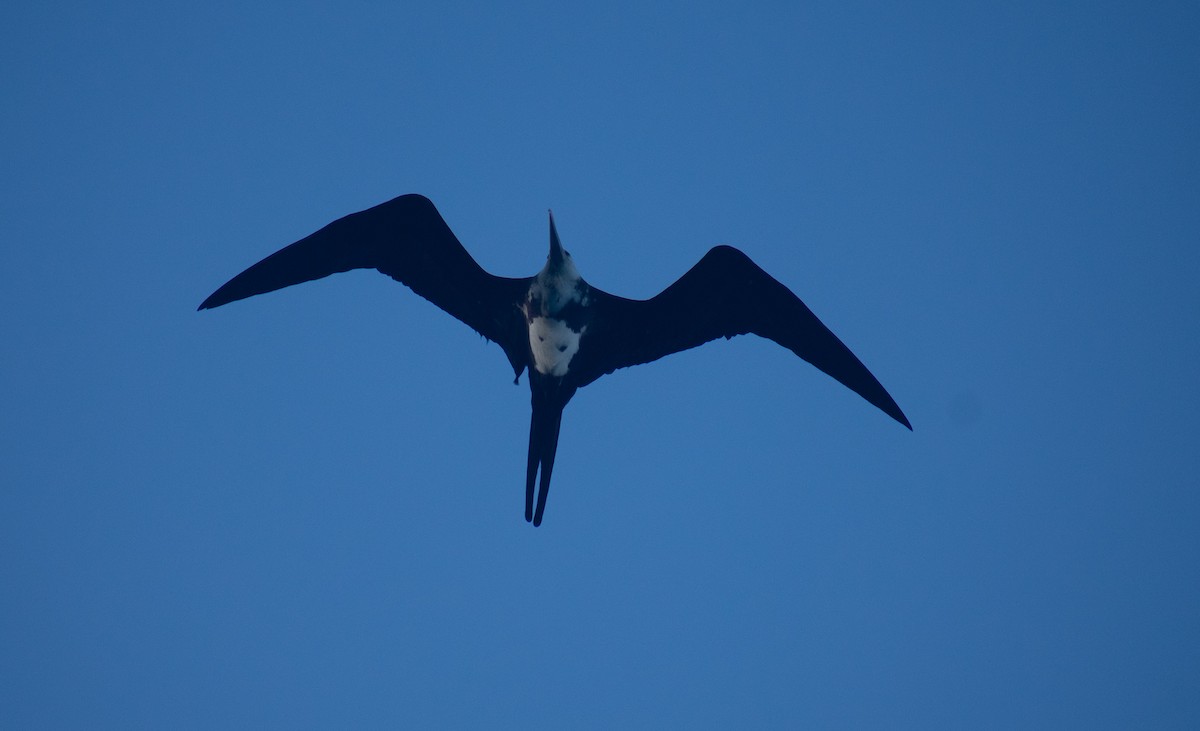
{"x": 553, "y": 345}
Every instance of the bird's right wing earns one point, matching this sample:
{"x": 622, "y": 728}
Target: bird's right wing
{"x": 723, "y": 295}
{"x": 406, "y": 239}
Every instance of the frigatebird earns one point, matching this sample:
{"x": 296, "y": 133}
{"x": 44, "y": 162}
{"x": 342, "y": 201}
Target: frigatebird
{"x": 565, "y": 332}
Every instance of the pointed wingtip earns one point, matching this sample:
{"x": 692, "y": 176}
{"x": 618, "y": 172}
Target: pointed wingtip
{"x": 889, "y": 406}
{"x": 213, "y": 301}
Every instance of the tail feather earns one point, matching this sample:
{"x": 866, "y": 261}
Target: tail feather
{"x": 531, "y": 467}
{"x": 549, "y": 449}
{"x": 550, "y": 396}
{"x": 543, "y": 445}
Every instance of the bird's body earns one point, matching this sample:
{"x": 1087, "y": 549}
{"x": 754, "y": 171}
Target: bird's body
{"x": 557, "y": 311}
{"x": 554, "y": 325}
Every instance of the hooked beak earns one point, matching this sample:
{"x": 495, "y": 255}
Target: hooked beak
{"x": 556, "y": 250}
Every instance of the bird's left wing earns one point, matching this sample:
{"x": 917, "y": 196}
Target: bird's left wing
{"x": 723, "y": 295}
{"x": 406, "y": 239}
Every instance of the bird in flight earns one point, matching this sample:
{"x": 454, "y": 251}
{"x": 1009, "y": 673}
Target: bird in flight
{"x": 565, "y": 332}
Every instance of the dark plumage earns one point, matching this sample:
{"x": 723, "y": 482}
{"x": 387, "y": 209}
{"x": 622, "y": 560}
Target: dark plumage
{"x": 564, "y": 331}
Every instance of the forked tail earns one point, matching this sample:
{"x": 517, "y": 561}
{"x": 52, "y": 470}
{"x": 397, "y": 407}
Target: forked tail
{"x": 549, "y": 398}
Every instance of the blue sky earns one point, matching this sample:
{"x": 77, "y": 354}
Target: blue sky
{"x": 305, "y": 510}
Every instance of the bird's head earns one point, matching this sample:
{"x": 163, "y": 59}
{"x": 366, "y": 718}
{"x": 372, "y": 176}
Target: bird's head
{"x": 559, "y": 282}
